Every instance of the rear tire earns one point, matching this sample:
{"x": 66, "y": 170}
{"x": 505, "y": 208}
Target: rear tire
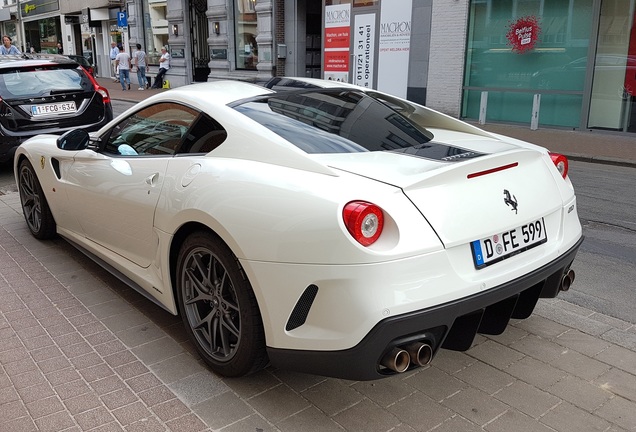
{"x": 218, "y": 307}
{"x": 35, "y": 208}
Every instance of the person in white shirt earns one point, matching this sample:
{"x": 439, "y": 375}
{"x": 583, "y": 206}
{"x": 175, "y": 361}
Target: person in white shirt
{"x": 164, "y": 65}
{"x": 139, "y": 61}
{"x": 113, "y": 55}
{"x": 123, "y": 62}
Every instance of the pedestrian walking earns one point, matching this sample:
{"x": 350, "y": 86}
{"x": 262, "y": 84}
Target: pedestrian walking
{"x": 164, "y": 65}
{"x": 122, "y": 61}
{"x": 139, "y": 61}
{"x": 7, "y": 47}
{"x": 113, "y": 57}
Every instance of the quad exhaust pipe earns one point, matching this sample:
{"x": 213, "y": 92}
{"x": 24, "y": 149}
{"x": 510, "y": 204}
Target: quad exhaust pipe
{"x": 567, "y": 280}
{"x": 398, "y": 359}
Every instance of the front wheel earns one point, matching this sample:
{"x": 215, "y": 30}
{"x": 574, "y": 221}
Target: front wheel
{"x": 218, "y": 307}
{"x": 36, "y": 209}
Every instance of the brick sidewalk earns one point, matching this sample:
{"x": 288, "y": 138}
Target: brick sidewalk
{"x": 80, "y": 351}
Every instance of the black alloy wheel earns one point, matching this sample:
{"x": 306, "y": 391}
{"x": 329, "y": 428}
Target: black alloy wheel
{"x": 218, "y": 307}
{"x": 35, "y": 208}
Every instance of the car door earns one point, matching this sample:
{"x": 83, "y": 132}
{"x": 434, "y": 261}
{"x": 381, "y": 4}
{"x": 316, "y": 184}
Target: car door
{"x": 115, "y": 190}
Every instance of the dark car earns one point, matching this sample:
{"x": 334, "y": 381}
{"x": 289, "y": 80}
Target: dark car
{"x": 47, "y": 94}
{"x": 83, "y": 61}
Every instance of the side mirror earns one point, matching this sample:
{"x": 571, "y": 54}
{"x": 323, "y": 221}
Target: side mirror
{"x": 76, "y": 139}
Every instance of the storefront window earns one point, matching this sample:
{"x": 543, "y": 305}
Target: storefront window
{"x": 517, "y": 48}
{"x": 612, "y": 104}
{"x": 43, "y": 35}
{"x": 245, "y": 35}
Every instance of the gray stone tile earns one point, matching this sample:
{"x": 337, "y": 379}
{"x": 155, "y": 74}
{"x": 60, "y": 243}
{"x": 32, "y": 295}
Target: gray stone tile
{"x": 485, "y": 377}
{"x": 581, "y": 342}
{"x": 475, "y": 406}
{"x": 568, "y": 418}
{"x": 177, "y": 367}
{"x": 618, "y": 382}
{"x": 515, "y": 421}
{"x": 386, "y": 392}
{"x": 252, "y": 423}
{"x": 535, "y": 372}
{"x": 222, "y": 410}
{"x": 574, "y": 320}
{"x": 195, "y": 389}
{"x": 512, "y": 334}
{"x": 458, "y": 423}
{"x": 131, "y": 413}
{"x": 332, "y": 396}
{"x": 495, "y": 354}
{"x": 279, "y": 403}
{"x": 141, "y": 334}
{"x": 581, "y": 393}
{"x": 420, "y": 412}
{"x": 251, "y": 385}
{"x": 366, "y": 416}
{"x": 452, "y": 361}
{"x": 297, "y": 381}
{"x": 626, "y": 339}
{"x": 157, "y": 350}
{"x": 125, "y": 320}
{"x": 435, "y": 383}
{"x": 620, "y": 411}
{"x": 110, "y": 308}
{"x": 579, "y": 365}
{"x": 539, "y": 348}
{"x": 310, "y": 420}
{"x": 527, "y": 399}
{"x": 619, "y": 357}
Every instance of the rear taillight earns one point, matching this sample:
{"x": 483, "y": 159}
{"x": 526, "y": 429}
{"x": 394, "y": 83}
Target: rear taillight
{"x": 364, "y": 221}
{"x": 99, "y": 89}
{"x": 561, "y": 163}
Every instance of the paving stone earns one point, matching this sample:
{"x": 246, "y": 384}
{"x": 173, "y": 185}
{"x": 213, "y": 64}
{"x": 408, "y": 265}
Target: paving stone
{"x": 178, "y": 367}
{"x": 55, "y": 422}
{"x": 509, "y": 336}
{"x": 307, "y": 420}
{"x": 485, "y": 377}
{"x": 626, "y": 339}
{"x": 192, "y": 423}
{"x": 197, "y": 388}
{"x": 579, "y": 365}
{"x": 452, "y": 361}
{"x": 44, "y": 407}
{"x": 170, "y": 410}
{"x": 495, "y": 354}
{"x": 435, "y": 383}
{"x": 568, "y": 418}
{"x": 94, "y": 418}
{"x": 281, "y": 402}
{"x": 222, "y": 410}
{"x": 539, "y": 348}
{"x": 475, "y": 406}
{"x": 131, "y": 413}
{"x": 251, "y": 385}
{"x": 619, "y": 411}
{"x": 458, "y": 423}
{"x": 156, "y": 395}
{"x": 36, "y": 392}
{"x": 516, "y": 421}
{"x": 82, "y": 403}
{"x": 366, "y": 416}
{"x": 527, "y": 399}
{"x": 119, "y": 398}
{"x": 535, "y": 372}
{"x": 140, "y": 334}
{"x": 157, "y": 350}
{"x": 580, "y": 392}
{"x": 420, "y": 412}
{"x": 388, "y": 391}
{"x": 143, "y": 382}
{"x": 619, "y": 357}
{"x": 618, "y": 382}
{"x": 581, "y": 342}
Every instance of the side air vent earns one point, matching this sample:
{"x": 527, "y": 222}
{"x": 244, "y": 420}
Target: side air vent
{"x": 301, "y": 310}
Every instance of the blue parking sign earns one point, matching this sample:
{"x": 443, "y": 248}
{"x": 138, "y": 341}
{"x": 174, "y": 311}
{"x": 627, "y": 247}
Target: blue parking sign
{"x": 122, "y": 19}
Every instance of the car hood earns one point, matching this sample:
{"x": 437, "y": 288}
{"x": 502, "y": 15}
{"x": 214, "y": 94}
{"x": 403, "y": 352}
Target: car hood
{"x": 462, "y": 197}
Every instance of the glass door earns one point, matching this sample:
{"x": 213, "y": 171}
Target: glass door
{"x": 612, "y": 104}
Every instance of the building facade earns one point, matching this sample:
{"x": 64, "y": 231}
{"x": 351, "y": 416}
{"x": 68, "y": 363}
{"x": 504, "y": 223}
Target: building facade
{"x": 556, "y": 63}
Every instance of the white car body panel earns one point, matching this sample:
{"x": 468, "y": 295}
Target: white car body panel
{"x": 279, "y": 210}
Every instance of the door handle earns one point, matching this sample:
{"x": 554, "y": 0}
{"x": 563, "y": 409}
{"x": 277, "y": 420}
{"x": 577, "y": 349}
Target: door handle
{"x": 152, "y": 179}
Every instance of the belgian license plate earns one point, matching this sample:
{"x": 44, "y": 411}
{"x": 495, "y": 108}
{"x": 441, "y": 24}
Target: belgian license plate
{"x": 53, "y": 108}
{"x": 503, "y": 245}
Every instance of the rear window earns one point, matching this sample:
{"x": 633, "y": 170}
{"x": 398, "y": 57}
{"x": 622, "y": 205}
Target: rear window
{"x": 335, "y": 121}
{"x": 37, "y": 81}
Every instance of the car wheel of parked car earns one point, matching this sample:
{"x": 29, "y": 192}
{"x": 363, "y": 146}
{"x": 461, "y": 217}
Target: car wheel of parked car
{"x": 34, "y": 205}
{"x": 218, "y": 307}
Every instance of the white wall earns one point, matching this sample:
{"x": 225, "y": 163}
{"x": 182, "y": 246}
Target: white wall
{"x": 446, "y": 62}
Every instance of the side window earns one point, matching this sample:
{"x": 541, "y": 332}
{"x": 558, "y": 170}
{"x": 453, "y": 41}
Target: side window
{"x": 205, "y": 136}
{"x": 155, "y": 130}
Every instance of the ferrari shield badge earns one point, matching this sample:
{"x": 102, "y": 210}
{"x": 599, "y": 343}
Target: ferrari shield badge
{"x": 42, "y": 162}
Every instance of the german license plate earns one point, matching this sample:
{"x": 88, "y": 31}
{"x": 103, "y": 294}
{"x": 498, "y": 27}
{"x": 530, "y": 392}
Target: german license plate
{"x": 503, "y": 245}
{"x": 53, "y": 108}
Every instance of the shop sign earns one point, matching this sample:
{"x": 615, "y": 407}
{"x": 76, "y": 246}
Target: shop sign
{"x": 337, "y": 42}
{"x": 523, "y": 34}
{"x": 36, "y": 7}
{"x": 363, "y": 49}
{"x": 394, "y": 46}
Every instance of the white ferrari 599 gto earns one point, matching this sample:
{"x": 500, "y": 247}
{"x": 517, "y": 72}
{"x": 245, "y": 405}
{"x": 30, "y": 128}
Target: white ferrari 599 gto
{"x": 329, "y": 229}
